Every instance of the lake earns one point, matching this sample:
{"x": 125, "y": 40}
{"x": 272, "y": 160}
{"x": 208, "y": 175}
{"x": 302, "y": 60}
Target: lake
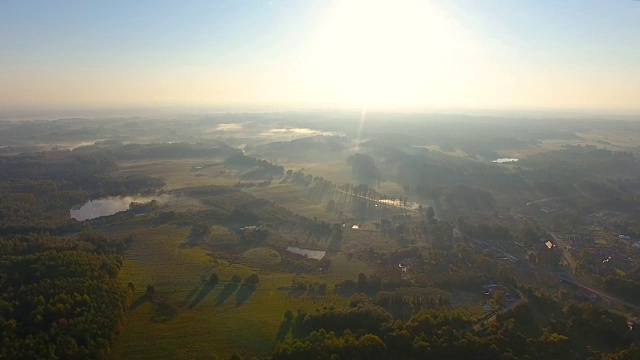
{"x": 311, "y": 254}
{"x": 105, "y": 206}
{"x": 504, "y": 160}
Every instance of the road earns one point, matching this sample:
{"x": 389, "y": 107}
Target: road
{"x": 565, "y": 252}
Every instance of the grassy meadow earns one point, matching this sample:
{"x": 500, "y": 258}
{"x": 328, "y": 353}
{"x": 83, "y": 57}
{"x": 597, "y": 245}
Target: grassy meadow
{"x": 210, "y": 320}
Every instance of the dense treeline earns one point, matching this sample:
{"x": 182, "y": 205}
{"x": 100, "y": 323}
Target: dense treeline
{"x": 310, "y": 149}
{"x": 366, "y": 331}
{"x": 178, "y": 150}
{"x": 37, "y": 190}
{"x": 625, "y": 288}
{"x": 254, "y": 169}
{"x": 59, "y": 297}
{"x": 363, "y": 168}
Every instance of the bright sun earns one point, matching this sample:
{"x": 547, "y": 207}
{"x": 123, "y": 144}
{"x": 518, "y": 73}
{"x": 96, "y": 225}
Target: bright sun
{"x": 390, "y": 53}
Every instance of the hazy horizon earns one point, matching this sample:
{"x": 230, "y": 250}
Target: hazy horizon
{"x": 77, "y": 57}
{"x": 55, "y": 113}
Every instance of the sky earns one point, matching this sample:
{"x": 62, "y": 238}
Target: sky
{"x": 400, "y": 54}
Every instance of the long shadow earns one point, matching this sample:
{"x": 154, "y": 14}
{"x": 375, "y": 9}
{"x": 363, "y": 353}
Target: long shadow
{"x": 191, "y": 294}
{"x": 227, "y": 291}
{"x": 139, "y": 301}
{"x": 244, "y": 293}
{"x": 296, "y": 293}
{"x": 345, "y": 293}
{"x": 284, "y": 329}
{"x": 190, "y": 242}
{"x": 206, "y": 289}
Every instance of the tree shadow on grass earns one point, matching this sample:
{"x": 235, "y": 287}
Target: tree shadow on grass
{"x": 296, "y": 293}
{"x": 191, "y": 241}
{"x": 244, "y": 293}
{"x": 204, "y": 291}
{"x": 345, "y": 293}
{"x": 191, "y": 294}
{"x": 227, "y": 291}
{"x": 284, "y": 329}
{"x": 163, "y": 311}
{"x": 139, "y": 301}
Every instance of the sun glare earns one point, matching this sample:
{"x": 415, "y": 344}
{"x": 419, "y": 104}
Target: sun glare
{"x": 390, "y": 53}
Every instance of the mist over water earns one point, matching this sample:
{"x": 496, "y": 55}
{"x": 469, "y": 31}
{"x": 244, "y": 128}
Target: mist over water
{"x": 311, "y": 254}
{"x": 106, "y": 206}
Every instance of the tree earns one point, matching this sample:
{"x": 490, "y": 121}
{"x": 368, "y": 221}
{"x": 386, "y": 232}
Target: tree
{"x": 362, "y": 282}
{"x": 251, "y": 280}
{"x": 214, "y": 278}
{"x": 331, "y": 206}
{"x": 151, "y": 290}
{"x": 236, "y": 279}
{"x": 430, "y": 213}
{"x": 200, "y": 230}
{"x": 500, "y": 297}
{"x": 288, "y": 315}
{"x": 363, "y": 168}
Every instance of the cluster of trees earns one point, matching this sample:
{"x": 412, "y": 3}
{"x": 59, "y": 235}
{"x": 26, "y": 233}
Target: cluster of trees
{"x": 371, "y": 284}
{"x": 242, "y": 185}
{"x": 312, "y": 288}
{"x": 367, "y": 331}
{"x": 403, "y": 303}
{"x": 37, "y": 190}
{"x": 176, "y": 150}
{"x": 363, "y": 168}
{"x": 440, "y": 233}
{"x": 59, "y": 297}
{"x": 255, "y": 169}
{"x": 321, "y": 189}
{"x": 464, "y": 196}
{"x": 575, "y": 163}
{"x": 627, "y": 289}
{"x": 309, "y": 149}
{"x": 297, "y": 177}
{"x": 140, "y": 208}
{"x": 493, "y": 231}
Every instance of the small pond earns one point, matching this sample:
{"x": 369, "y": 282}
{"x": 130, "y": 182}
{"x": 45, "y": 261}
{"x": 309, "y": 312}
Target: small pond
{"x": 311, "y": 254}
{"x": 105, "y": 206}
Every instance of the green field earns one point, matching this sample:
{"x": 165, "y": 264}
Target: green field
{"x": 182, "y": 173}
{"x": 205, "y": 325}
